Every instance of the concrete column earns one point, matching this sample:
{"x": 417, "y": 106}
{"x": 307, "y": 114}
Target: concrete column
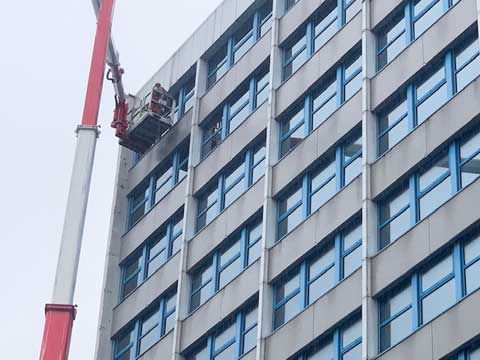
{"x": 369, "y": 321}
{"x": 265, "y": 301}
{"x": 110, "y": 287}
{"x": 189, "y": 213}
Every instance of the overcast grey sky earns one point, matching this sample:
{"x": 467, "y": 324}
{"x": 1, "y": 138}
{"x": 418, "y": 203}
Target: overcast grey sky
{"x": 45, "y": 54}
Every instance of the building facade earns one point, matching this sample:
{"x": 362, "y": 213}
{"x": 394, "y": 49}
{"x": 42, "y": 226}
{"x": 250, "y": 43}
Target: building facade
{"x": 317, "y": 196}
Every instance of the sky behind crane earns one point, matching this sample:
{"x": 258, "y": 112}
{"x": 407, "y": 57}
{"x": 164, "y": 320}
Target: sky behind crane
{"x": 45, "y": 60}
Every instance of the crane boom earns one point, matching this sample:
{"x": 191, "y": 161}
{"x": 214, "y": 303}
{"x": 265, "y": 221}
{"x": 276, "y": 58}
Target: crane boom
{"x": 59, "y": 315}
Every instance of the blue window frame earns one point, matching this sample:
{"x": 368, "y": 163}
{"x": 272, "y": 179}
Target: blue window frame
{"x": 425, "y": 95}
{"x": 184, "y": 99}
{"x": 146, "y": 330}
{"x": 470, "y": 352}
{"x": 344, "y": 342}
{"x": 164, "y": 178}
{"x": 237, "y": 253}
{"x": 240, "y": 175}
{"x": 325, "y": 267}
{"x": 316, "y": 32}
{"x": 430, "y": 290}
{"x": 246, "y": 98}
{"x": 156, "y": 250}
{"x": 405, "y": 25}
{"x": 233, "y": 338}
{"x": 307, "y": 194}
{"x": 339, "y": 85}
{"x": 239, "y": 43}
{"x": 444, "y": 174}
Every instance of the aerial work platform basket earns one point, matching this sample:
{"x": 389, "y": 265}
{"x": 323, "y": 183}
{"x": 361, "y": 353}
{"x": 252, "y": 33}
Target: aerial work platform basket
{"x": 149, "y": 118}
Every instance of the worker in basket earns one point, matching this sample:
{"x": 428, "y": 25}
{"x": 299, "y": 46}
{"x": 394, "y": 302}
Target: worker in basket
{"x": 161, "y": 103}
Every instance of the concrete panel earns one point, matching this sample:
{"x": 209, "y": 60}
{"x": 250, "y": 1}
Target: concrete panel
{"x": 316, "y": 319}
{"x": 443, "y": 335}
{"x": 434, "y": 132}
{"x": 322, "y": 61}
{"x": 150, "y": 222}
{"x": 456, "y": 326}
{"x": 296, "y": 16}
{"x": 156, "y": 155}
{"x": 416, "y": 346}
{"x": 380, "y": 9}
{"x": 230, "y": 147}
{"x": 422, "y": 51}
{"x": 315, "y": 229}
{"x": 160, "y": 281}
{"x": 427, "y": 237}
{"x": 235, "y": 76}
{"x": 160, "y": 349}
{"x": 317, "y": 143}
{"x": 226, "y": 223}
{"x": 222, "y": 304}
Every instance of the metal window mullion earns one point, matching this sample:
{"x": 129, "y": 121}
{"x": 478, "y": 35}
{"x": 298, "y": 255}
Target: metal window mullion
{"x": 151, "y": 192}
{"x": 416, "y": 306}
{"x": 144, "y": 264}
{"x": 303, "y": 285}
{"x": 216, "y": 272}
{"x": 455, "y": 167}
{"x": 340, "y": 79}
{"x": 306, "y": 190}
{"x": 225, "y": 123}
{"x": 449, "y": 64}
{"x": 220, "y": 193}
{"x": 396, "y": 315}
{"x": 337, "y": 345}
{"x": 256, "y": 26}
{"x": 230, "y": 53}
{"x": 239, "y": 322}
{"x": 136, "y": 341}
{"x": 310, "y": 38}
{"x": 210, "y": 347}
{"x": 244, "y": 247}
{"x": 339, "y": 168}
{"x": 249, "y": 167}
{"x": 409, "y": 21}
{"x": 339, "y": 270}
{"x": 162, "y": 317}
{"x": 341, "y": 15}
{"x": 170, "y": 238}
{"x": 175, "y": 168}
{"x": 307, "y": 115}
{"x": 458, "y": 270}
{"x": 413, "y": 199}
{"x": 181, "y": 102}
{"x": 411, "y": 108}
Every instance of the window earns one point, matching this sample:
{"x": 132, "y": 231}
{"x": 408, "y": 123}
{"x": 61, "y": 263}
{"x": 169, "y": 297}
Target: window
{"x": 290, "y": 3}
{"x": 154, "y": 188}
{"x": 407, "y": 24}
{"x": 152, "y": 255}
{"x": 303, "y": 117}
{"x": 319, "y": 29}
{"x": 344, "y": 342}
{"x": 424, "y": 96}
{"x": 146, "y": 330}
{"x": 242, "y": 173}
{"x": 306, "y": 195}
{"x": 234, "y": 337}
{"x": 235, "y": 255}
{"x": 429, "y": 187}
{"x": 184, "y": 99}
{"x": 239, "y": 43}
{"x": 471, "y": 352}
{"x": 329, "y": 263}
{"x": 430, "y": 290}
{"x": 235, "y": 110}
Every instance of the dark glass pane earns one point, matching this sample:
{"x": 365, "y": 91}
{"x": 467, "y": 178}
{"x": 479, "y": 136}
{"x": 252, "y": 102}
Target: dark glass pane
{"x": 290, "y": 222}
{"x": 427, "y": 19}
{"x": 395, "y": 229}
{"x": 321, "y": 262}
{"x": 429, "y": 83}
{"x": 323, "y": 195}
{"x": 435, "y": 197}
{"x": 321, "y": 285}
{"x": 353, "y": 9}
{"x": 393, "y": 205}
{"x": 287, "y": 311}
{"x": 400, "y": 300}
{"x": 202, "y": 277}
{"x": 131, "y": 285}
{"x": 393, "y": 36}
{"x": 325, "y": 25}
{"x": 323, "y": 174}
{"x": 325, "y": 93}
{"x": 201, "y": 296}
{"x": 352, "y": 261}
{"x": 438, "y": 301}
{"x": 471, "y": 171}
{"x": 243, "y": 40}
{"x": 291, "y": 200}
{"x": 474, "y": 354}
{"x": 393, "y": 136}
{"x": 232, "y": 270}
{"x": 352, "y": 67}
{"x": 288, "y": 287}
{"x": 396, "y": 330}
{"x": 433, "y": 172}
{"x": 123, "y": 342}
{"x": 250, "y": 340}
{"x": 293, "y": 140}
